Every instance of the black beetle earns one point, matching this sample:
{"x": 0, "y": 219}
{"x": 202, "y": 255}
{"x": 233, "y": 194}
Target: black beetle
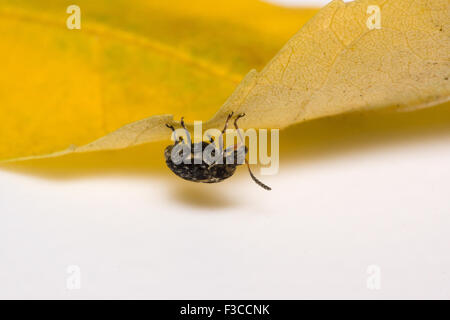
{"x": 207, "y": 171}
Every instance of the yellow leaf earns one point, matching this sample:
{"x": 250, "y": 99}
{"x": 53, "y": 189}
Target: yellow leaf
{"x": 130, "y": 60}
{"x": 342, "y": 60}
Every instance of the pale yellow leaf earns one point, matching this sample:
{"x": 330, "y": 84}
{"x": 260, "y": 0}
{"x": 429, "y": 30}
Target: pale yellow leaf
{"x": 130, "y": 60}
{"x": 335, "y": 64}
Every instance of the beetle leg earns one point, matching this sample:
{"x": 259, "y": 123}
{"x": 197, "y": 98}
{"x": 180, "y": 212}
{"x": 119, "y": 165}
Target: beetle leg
{"x": 240, "y": 115}
{"x": 258, "y": 182}
{"x": 173, "y": 130}
{"x": 170, "y": 127}
{"x": 188, "y": 135}
{"x": 180, "y": 139}
{"x": 220, "y": 149}
{"x": 182, "y": 123}
{"x": 226, "y": 122}
{"x": 223, "y": 131}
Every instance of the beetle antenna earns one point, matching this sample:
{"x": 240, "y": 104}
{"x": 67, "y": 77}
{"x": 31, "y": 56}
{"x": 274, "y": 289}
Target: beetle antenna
{"x": 259, "y": 183}
{"x": 255, "y": 179}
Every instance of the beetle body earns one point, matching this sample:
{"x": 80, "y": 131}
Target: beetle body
{"x": 199, "y": 172}
{"x": 193, "y": 166}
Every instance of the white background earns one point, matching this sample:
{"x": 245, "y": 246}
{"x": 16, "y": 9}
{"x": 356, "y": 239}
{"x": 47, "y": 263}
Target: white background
{"x": 313, "y": 236}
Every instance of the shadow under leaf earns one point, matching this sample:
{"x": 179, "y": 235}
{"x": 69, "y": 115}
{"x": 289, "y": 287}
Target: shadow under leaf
{"x": 357, "y": 132}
